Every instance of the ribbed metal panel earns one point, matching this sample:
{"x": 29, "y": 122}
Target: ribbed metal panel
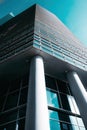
{"x": 52, "y": 37}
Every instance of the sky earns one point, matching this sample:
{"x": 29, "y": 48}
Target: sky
{"x": 73, "y": 13}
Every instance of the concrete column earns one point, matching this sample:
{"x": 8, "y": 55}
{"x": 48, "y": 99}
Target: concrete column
{"x": 79, "y": 93}
{"x": 37, "y": 117}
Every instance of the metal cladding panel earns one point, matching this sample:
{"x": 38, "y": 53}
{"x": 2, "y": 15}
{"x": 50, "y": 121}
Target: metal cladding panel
{"x": 54, "y": 38}
{"x": 54, "y": 23}
{"x": 17, "y": 34}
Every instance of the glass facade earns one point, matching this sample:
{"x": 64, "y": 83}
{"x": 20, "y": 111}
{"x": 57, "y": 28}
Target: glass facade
{"x": 13, "y": 98}
{"x": 63, "y": 110}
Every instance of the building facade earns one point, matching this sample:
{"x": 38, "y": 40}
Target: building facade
{"x": 43, "y": 70}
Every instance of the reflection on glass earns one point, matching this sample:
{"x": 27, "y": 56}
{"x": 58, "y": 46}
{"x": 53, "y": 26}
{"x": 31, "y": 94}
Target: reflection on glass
{"x": 64, "y": 126}
{"x": 54, "y": 125}
{"x": 74, "y": 127}
{"x": 21, "y": 124}
{"x": 68, "y": 103}
{"x": 76, "y": 121}
{"x": 75, "y": 105}
{"x": 68, "y": 118}
{"x": 73, "y": 120}
{"x": 72, "y": 104}
{"x": 16, "y": 126}
{"x": 54, "y": 118}
{"x": 52, "y": 98}
{"x": 53, "y": 115}
{"x": 82, "y": 128}
{"x": 80, "y": 122}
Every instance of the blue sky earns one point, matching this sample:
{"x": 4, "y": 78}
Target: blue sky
{"x": 73, "y": 13}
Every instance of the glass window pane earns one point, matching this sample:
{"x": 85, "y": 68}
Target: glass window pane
{"x": 63, "y": 117}
{"x": 7, "y": 117}
{"x": 64, "y": 126}
{"x": 14, "y": 85}
{"x": 21, "y": 124}
{"x": 54, "y": 125}
{"x": 53, "y": 115}
{"x": 80, "y": 121}
{"x": 2, "y": 99}
{"x": 23, "y": 97}
{"x": 73, "y": 127}
{"x": 71, "y": 105}
{"x": 12, "y": 100}
{"x": 3, "y": 88}
{"x": 73, "y": 120}
{"x": 65, "y": 102}
{"x": 50, "y": 83}
{"x": 70, "y": 127}
{"x": 11, "y": 126}
{"x": 67, "y": 118}
{"x": 25, "y": 81}
{"x": 52, "y": 99}
{"x": 22, "y": 112}
{"x": 75, "y": 106}
{"x": 82, "y": 128}
{"x": 62, "y": 87}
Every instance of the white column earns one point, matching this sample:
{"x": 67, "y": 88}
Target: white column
{"x": 37, "y": 117}
{"x": 79, "y": 93}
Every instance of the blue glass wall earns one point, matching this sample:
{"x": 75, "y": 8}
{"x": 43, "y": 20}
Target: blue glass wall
{"x": 63, "y": 110}
{"x": 13, "y": 98}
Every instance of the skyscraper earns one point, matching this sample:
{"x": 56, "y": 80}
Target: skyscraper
{"x": 42, "y": 74}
